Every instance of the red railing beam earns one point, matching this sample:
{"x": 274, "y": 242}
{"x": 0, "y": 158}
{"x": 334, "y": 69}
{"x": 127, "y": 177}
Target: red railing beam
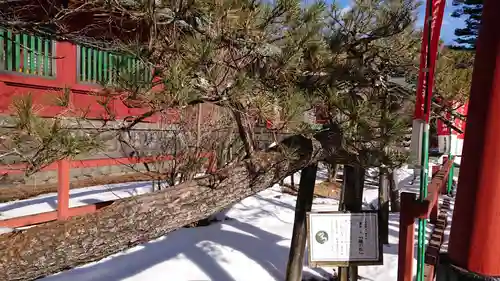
{"x": 63, "y": 168}
{"x": 429, "y": 205}
{"x": 52, "y": 215}
{"x": 91, "y": 163}
{"x": 411, "y": 209}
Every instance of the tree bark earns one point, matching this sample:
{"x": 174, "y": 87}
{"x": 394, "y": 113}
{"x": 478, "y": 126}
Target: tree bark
{"x": 394, "y": 194}
{"x": 383, "y": 206}
{"x": 49, "y": 248}
{"x": 352, "y": 201}
{"x": 354, "y": 179}
{"x": 304, "y": 205}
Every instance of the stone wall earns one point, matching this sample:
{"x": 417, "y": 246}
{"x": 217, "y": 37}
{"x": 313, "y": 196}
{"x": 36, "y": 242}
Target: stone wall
{"x": 146, "y": 139}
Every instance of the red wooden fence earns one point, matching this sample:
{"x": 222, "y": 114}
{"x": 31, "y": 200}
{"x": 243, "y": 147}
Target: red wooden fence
{"x": 411, "y": 209}
{"x": 63, "y": 171}
{"x": 85, "y": 98}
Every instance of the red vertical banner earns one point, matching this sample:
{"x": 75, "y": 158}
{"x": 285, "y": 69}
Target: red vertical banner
{"x": 430, "y": 42}
{"x": 459, "y": 122}
{"x": 442, "y": 128}
{"x": 426, "y": 69}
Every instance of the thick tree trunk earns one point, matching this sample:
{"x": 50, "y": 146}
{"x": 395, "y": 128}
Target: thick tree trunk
{"x": 383, "y": 205}
{"x": 55, "y": 246}
{"x": 394, "y": 194}
{"x": 354, "y": 179}
{"x": 352, "y": 201}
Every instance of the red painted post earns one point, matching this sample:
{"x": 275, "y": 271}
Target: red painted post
{"x": 406, "y": 237}
{"x": 63, "y": 189}
{"x": 435, "y": 209}
{"x": 475, "y": 232}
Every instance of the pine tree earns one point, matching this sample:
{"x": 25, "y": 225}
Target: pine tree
{"x": 471, "y": 10}
{"x": 38, "y": 142}
{"x": 248, "y": 57}
{"x": 454, "y": 74}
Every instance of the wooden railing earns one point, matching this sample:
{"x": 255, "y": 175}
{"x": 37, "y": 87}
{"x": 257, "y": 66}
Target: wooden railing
{"x": 63, "y": 168}
{"x": 412, "y": 209}
{"x": 25, "y": 53}
{"x": 46, "y": 68}
{"x": 103, "y": 67}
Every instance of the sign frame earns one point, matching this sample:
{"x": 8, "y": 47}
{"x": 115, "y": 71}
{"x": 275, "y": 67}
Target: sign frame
{"x": 379, "y": 261}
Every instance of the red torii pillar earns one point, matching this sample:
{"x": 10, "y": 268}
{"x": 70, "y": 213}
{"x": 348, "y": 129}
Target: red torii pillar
{"x": 474, "y": 248}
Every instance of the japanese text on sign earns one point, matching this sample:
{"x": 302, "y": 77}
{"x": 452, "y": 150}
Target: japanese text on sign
{"x": 343, "y": 237}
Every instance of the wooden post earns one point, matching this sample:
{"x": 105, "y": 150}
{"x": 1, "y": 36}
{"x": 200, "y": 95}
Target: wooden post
{"x": 383, "y": 205}
{"x": 304, "y": 204}
{"x": 343, "y": 273}
{"x": 353, "y": 273}
{"x": 406, "y": 245}
{"x": 63, "y": 189}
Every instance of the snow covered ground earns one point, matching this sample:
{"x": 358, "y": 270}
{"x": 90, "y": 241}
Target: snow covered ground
{"x": 252, "y": 243}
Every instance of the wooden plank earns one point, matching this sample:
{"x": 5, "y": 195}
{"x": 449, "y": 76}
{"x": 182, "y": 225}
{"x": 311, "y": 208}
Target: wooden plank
{"x": 51, "y": 216}
{"x": 75, "y": 164}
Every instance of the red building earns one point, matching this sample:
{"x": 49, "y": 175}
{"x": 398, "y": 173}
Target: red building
{"x": 66, "y": 79}
{"x": 46, "y": 68}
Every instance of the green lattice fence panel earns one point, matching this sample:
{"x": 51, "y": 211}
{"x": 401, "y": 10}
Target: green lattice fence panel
{"x": 26, "y": 53}
{"x": 103, "y": 67}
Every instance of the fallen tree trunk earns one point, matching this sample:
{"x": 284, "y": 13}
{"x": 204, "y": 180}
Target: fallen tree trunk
{"x": 59, "y": 245}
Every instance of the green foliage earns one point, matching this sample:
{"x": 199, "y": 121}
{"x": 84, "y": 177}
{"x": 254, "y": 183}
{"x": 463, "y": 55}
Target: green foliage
{"x": 454, "y": 74}
{"x": 263, "y": 59}
{"x": 41, "y": 141}
{"x": 471, "y": 10}
{"x": 368, "y": 44}
{"x": 64, "y": 98}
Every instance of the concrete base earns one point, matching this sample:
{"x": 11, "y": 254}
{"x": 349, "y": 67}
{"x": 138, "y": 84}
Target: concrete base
{"x": 449, "y": 272}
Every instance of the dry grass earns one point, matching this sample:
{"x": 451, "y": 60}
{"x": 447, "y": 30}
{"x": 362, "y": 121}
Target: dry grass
{"x": 323, "y": 189}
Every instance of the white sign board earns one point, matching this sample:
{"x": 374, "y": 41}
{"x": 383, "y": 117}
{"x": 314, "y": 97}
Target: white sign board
{"x": 338, "y": 237}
